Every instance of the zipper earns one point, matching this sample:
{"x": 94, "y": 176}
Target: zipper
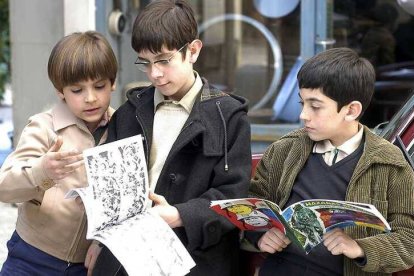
{"x": 145, "y": 138}
{"x": 75, "y": 243}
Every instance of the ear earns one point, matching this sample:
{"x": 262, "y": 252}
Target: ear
{"x": 113, "y": 87}
{"x": 195, "y": 48}
{"x": 60, "y": 94}
{"x": 354, "y": 109}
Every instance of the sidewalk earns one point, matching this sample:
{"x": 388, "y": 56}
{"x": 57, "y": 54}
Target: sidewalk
{"x": 8, "y": 215}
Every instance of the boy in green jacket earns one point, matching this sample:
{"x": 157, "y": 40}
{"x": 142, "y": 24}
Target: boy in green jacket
{"x": 335, "y": 157}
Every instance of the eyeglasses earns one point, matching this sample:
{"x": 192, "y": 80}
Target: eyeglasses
{"x": 144, "y": 66}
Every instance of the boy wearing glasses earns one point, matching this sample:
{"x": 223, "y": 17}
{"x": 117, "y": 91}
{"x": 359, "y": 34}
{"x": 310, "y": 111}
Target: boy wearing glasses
{"x": 197, "y": 139}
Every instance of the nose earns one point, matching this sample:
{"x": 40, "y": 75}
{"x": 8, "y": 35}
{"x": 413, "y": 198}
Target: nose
{"x": 303, "y": 115}
{"x": 90, "y": 96}
{"x": 155, "y": 72}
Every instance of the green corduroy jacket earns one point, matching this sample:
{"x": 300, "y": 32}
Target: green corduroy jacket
{"x": 382, "y": 177}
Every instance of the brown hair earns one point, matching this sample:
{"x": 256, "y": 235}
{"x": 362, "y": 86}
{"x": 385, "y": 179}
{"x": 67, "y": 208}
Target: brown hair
{"x": 168, "y": 23}
{"x": 79, "y": 57}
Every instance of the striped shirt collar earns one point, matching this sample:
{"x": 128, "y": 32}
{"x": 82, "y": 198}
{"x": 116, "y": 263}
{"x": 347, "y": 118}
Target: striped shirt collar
{"x": 187, "y": 102}
{"x": 348, "y": 147}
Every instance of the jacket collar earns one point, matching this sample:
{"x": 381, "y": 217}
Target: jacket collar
{"x": 376, "y": 149}
{"x": 204, "y": 118}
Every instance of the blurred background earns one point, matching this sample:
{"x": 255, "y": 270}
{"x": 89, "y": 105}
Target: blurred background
{"x": 253, "y": 48}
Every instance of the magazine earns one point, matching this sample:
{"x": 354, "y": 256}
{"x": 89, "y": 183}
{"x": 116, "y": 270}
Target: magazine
{"x": 304, "y": 222}
{"x": 116, "y": 204}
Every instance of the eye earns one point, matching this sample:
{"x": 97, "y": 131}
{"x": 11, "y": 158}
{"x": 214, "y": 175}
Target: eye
{"x": 142, "y": 63}
{"x": 162, "y": 61}
{"x": 100, "y": 86}
{"x": 76, "y": 90}
{"x": 301, "y": 103}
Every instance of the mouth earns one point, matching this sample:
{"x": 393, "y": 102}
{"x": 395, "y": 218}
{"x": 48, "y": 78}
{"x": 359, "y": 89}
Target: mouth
{"x": 92, "y": 110}
{"x": 162, "y": 85}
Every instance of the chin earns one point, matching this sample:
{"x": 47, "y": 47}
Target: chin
{"x": 315, "y": 137}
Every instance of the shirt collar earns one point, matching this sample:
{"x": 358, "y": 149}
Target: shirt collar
{"x": 63, "y": 117}
{"x": 347, "y": 147}
{"x": 187, "y": 101}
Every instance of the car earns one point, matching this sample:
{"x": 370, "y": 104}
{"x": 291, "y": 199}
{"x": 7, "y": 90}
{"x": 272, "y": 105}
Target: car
{"x": 400, "y": 130}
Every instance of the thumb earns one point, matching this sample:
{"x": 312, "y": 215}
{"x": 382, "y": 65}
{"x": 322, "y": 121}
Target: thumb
{"x": 158, "y": 199}
{"x": 56, "y": 146}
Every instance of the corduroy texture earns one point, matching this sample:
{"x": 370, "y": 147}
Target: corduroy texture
{"x": 382, "y": 178}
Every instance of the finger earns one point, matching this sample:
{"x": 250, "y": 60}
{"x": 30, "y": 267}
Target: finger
{"x": 332, "y": 235}
{"x": 280, "y": 236}
{"x": 158, "y": 199}
{"x": 72, "y": 165}
{"x": 337, "y": 249}
{"x": 87, "y": 260}
{"x": 68, "y": 154}
{"x": 58, "y": 143}
{"x": 332, "y": 232}
{"x": 267, "y": 248}
{"x": 92, "y": 263}
{"x": 271, "y": 245}
{"x": 275, "y": 242}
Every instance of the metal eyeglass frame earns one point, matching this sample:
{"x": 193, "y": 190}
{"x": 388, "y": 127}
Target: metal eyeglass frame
{"x": 144, "y": 65}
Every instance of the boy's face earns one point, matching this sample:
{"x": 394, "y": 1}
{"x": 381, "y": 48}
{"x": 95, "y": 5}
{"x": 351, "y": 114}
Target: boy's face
{"x": 88, "y": 100}
{"x": 323, "y": 121}
{"x": 175, "y": 78}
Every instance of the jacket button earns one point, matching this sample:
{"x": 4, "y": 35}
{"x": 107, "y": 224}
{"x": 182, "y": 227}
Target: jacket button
{"x": 173, "y": 177}
{"x": 47, "y": 184}
{"x": 211, "y": 229}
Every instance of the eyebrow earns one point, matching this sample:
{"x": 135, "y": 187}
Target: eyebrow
{"x": 157, "y": 57}
{"x": 311, "y": 99}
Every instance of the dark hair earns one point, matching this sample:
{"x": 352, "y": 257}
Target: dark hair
{"x": 81, "y": 56}
{"x": 168, "y": 23}
{"x": 342, "y": 76}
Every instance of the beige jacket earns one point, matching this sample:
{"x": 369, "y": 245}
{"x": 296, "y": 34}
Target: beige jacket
{"x": 45, "y": 219}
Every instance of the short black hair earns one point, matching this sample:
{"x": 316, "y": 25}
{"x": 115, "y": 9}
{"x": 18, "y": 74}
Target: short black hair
{"x": 169, "y": 23}
{"x": 341, "y": 74}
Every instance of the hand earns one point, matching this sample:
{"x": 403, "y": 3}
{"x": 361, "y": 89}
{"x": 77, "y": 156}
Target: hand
{"x": 273, "y": 240}
{"x": 337, "y": 242}
{"x": 59, "y": 164}
{"x": 167, "y": 212}
{"x": 91, "y": 256}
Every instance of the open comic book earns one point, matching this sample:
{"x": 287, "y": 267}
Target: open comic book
{"x": 304, "y": 222}
{"x": 116, "y": 202}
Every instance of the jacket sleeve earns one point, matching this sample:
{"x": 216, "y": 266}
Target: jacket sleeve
{"x": 22, "y": 177}
{"x": 260, "y": 183}
{"x": 393, "y": 251}
{"x": 203, "y": 227}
